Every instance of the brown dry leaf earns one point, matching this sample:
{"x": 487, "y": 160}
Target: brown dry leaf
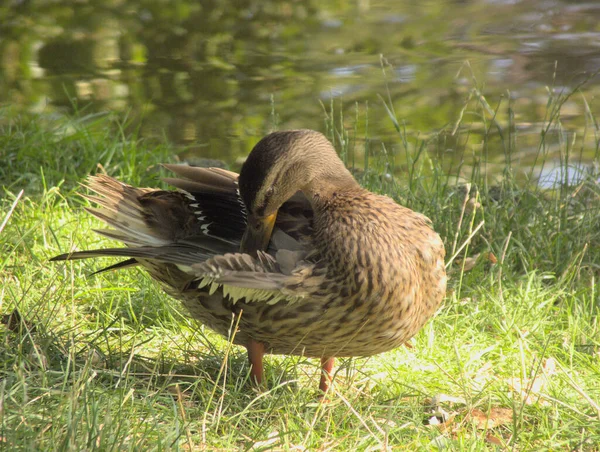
{"x": 494, "y": 440}
{"x": 497, "y": 416}
{"x": 491, "y": 257}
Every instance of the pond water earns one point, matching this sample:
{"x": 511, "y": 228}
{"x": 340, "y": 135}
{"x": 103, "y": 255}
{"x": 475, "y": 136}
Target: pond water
{"x": 213, "y": 76}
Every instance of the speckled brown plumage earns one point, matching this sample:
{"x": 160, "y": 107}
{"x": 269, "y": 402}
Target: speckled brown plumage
{"x": 343, "y": 271}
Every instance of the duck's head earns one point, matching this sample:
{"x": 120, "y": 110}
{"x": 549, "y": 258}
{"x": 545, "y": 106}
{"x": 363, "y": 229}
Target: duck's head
{"x": 281, "y": 164}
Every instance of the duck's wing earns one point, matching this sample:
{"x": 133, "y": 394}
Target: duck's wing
{"x": 216, "y": 195}
{"x": 167, "y": 226}
{"x": 204, "y": 218}
{"x": 264, "y": 279}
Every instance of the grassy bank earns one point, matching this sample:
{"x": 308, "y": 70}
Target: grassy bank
{"x": 511, "y": 360}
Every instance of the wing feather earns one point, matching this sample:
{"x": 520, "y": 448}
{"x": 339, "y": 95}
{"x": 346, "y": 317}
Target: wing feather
{"x": 257, "y": 279}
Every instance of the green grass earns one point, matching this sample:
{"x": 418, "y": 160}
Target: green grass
{"x": 111, "y": 363}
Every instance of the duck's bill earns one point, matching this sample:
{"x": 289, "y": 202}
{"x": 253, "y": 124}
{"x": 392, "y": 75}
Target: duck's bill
{"x": 258, "y": 233}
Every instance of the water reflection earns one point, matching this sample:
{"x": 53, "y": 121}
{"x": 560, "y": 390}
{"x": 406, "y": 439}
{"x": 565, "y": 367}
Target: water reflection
{"x": 214, "y": 75}
{"x": 556, "y": 174}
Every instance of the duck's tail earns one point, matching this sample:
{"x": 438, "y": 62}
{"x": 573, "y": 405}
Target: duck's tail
{"x": 123, "y": 207}
{"x": 205, "y": 217}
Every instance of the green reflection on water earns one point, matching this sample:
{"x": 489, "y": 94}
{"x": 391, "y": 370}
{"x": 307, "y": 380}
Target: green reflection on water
{"x": 205, "y": 74}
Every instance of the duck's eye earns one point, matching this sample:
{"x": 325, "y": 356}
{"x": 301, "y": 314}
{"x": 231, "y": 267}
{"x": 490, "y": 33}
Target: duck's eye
{"x": 269, "y": 192}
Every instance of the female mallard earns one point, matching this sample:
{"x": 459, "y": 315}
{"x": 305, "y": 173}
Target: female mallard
{"x": 292, "y": 250}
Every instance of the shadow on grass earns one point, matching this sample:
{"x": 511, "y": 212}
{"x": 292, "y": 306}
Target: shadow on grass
{"x": 34, "y": 348}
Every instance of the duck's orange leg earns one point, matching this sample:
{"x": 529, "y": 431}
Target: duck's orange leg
{"x": 256, "y": 351}
{"x": 326, "y": 373}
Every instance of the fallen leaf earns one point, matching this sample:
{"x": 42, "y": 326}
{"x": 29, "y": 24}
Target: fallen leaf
{"x": 433, "y": 420}
{"x": 494, "y": 440}
{"x": 497, "y": 416}
{"x": 492, "y": 258}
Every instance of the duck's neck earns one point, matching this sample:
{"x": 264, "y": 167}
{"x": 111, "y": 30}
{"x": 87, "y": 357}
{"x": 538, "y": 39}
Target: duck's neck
{"x": 320, "y": 190}
{"x": 338, "y": 224}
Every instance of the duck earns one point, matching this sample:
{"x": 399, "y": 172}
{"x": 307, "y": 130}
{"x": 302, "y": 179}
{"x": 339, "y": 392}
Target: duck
{"x": 290, "y": 256}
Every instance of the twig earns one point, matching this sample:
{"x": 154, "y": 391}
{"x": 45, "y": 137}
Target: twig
{"x": 466, "y": 242}
{"x": 462, "y": 215}
{"x": 11, "y": 210}
{"x": 359, "y": 417}
{"x": 502, "y": 263}
{"x": 580, "y": 390}
{"x": 185, "y": 424}
{"x": 221, "y": 369}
